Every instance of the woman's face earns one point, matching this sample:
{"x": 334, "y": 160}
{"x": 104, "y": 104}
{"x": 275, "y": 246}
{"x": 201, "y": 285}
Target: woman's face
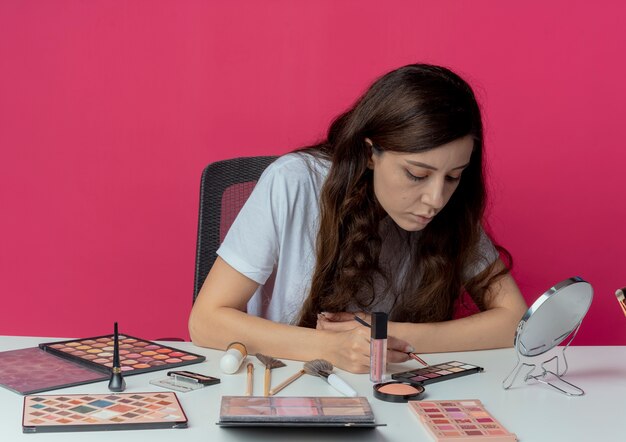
{"x": 413, "y": 187}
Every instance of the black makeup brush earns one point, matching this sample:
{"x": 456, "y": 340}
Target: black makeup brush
{"x": 117, "y": 382}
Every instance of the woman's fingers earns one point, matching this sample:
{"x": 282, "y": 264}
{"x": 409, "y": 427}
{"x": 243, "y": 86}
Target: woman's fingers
{"x": 398, "y": 349}
{"x": 397, "y": 356}
{"x": 346, "y": 316}
{"x": 336, "y": 321}
{"x": 399, "y": 345}
{"x": 341, "y": 321}
{"x": 354, "y": 349}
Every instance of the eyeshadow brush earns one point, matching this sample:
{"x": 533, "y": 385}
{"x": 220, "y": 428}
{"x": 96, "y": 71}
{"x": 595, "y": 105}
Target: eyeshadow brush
{"x": 116, "y": 383}
{"x": 409, "y": 353}
{"x": 286, "y": 382}
{"x": 250, "y": 369}
{"x": 269, "y": 363}
{"x": 324, "y": 369}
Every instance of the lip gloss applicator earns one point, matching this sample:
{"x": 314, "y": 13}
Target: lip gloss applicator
{"x": 116, "y": 383}
{"x": 378, "y": 346}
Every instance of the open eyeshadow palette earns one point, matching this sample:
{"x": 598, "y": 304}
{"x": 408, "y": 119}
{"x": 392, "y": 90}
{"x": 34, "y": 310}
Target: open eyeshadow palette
{"x": 460, "y": 421}
{"x": 296, "y": 411}
{"x": 79, "y": 412}
{"x": 437, "y": 373}
{"x": 136, "y": 355}
{"x": 67, "y": 363}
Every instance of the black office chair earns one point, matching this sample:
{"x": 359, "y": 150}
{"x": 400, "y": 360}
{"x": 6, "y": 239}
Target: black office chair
{"x": 224, "y": 188}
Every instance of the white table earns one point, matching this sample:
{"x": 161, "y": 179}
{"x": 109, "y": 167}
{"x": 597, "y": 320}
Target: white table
{"x": 533, "y": 412}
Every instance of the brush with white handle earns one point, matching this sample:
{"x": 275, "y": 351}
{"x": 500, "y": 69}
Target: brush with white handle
{"x": 324, "y": 369}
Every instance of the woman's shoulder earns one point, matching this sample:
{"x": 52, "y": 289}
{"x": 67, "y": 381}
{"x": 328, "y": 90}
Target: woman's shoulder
{"x": 299, "y": 166}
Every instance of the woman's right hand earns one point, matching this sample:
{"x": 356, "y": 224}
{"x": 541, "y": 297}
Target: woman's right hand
{"x": 349, "y": 349}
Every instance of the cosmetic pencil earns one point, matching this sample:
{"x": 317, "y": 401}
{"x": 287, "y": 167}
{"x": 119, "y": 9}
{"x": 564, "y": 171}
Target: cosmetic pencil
{"x": 116, "y": 383}
{"x": 411, "y": 354}
{"x": 621, "y": 298}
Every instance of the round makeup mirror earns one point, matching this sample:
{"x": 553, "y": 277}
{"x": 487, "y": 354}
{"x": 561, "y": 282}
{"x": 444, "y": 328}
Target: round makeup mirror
{"x": 554, "y": 317}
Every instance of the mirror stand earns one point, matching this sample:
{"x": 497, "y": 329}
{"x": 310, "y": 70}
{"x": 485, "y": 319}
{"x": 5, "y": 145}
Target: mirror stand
{"x": 538, "y": 371}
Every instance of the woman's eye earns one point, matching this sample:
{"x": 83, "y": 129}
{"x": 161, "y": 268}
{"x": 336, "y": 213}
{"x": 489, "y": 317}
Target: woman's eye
{"x": 414, "y": 177}
{"x": 453, "y": 179}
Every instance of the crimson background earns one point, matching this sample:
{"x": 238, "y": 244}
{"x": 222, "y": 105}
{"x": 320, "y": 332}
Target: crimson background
{"x": 109, "y": 110}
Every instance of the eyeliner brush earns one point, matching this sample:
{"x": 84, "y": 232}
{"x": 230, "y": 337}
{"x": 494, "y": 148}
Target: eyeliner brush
{"x": 621, "y": 298}
{"x": 410, "y": 354}
{"x": 116, "y": 383}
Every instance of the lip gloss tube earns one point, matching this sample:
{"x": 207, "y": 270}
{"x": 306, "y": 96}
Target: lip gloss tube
{"x": 378, "y": 346}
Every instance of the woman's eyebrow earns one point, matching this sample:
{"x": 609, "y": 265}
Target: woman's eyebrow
{"x": 428, "y": 166}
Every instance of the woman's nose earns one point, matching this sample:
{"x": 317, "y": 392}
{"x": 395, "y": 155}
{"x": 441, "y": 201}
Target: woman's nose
{"x": 434, "y": 194}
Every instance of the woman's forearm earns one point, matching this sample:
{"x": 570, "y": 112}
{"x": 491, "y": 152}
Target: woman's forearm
{"x": 218, "y": 318}
{"x": 225, "y": 325}
{"x": 493, "y": 328}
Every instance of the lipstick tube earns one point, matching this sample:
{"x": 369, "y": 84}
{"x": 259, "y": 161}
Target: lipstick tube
{"x": 378, "y": 347}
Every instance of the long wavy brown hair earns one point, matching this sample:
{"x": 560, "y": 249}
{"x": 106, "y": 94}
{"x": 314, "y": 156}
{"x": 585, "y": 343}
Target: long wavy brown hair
{"x": 412, "y": 109}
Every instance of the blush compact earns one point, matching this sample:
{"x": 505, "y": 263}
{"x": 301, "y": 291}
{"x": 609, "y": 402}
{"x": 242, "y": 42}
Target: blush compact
{"x": 396, "y": 391}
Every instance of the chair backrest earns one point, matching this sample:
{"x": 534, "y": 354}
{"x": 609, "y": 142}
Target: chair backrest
{"x": 224, "y": 188}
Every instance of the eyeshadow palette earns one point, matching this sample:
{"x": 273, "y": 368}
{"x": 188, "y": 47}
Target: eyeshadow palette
{"x": 79, "y": 412}
{"x": 460, "y": 421}
{"x": 136, "y": 355}
{"x": 296, "y": 411}
{"x": 437, "y": 373}
{"x": 67, "y": 363}
{"x": 31, "y": 370}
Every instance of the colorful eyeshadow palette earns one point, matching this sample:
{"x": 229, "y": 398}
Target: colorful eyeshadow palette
{"x": 296, "y": 411}
{"x": 79, "y": 412}
{"x": 437, "y": 373}
{"x": 68, "y": 363}
{"x": 460, "y": 421}
{"x": 31, "y": 370}
{"x": 136, "y": 355}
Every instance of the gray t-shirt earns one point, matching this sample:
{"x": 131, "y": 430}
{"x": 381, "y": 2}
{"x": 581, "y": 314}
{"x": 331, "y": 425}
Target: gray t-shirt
{"x": 272, "y": 240}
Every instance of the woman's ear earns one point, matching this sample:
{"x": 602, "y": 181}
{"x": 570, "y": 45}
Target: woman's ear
{"x": 371, "y": 152}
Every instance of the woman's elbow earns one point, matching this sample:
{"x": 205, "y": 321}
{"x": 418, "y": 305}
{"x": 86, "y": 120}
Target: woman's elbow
{"x": 198, "y": 327}
{"x": 194, "y": 329}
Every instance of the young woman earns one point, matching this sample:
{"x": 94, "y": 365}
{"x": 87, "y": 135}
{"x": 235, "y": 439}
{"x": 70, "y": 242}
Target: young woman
{"x": 384, "y": 215}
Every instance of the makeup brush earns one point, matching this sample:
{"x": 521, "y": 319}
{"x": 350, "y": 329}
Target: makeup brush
{"x": 409, "y": 353}
{"x": 286, "y": 382}
{"x": 269, "y": 363}
{"x": 250, "y": 369}
{"x": 324, "y": 369}
{"x": 621, "y": 298}
{"x": 116, "y": 383}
